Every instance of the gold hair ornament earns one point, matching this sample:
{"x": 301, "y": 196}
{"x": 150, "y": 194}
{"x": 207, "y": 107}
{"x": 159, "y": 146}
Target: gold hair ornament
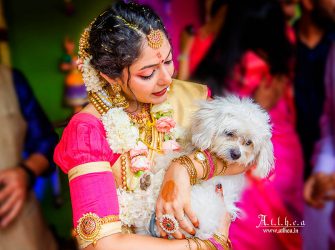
{"x": 155, "y": 37}
{"x": 130, "y": 25}
{"x": 83, "y": 42}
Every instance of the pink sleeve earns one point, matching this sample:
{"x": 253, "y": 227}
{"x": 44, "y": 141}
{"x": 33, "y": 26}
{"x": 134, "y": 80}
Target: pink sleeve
{"x": 83, "y": 141}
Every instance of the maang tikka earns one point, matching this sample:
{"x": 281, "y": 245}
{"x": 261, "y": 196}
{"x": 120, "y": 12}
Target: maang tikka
{"x": 155, "y": 37}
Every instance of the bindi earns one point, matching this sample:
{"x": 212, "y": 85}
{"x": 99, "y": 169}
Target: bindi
{"x": 159, "y": 55}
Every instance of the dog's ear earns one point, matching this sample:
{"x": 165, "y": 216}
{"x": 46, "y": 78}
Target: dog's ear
{"x": 203, "y": 127}
{"x": 202, "y": 140}
{"x": 265, "y": 160}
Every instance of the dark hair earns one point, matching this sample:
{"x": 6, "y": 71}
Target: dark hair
{"x": 113, "y": 44}
{"x": 257, "y": 25}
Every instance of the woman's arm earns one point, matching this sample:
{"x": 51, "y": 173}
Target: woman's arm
{"x": 135, "y": 242}
{"x": 186, "y": 41}
{"x": 175, "y": 195}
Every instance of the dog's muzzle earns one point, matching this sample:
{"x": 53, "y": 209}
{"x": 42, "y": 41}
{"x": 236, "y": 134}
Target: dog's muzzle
{"x": 235, "y": 153}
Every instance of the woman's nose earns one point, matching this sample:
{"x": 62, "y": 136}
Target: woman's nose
{"x": 165, "y": 76}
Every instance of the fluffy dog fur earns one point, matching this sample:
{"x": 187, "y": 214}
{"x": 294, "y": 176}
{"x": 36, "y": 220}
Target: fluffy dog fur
{"x": 236, "y": 130}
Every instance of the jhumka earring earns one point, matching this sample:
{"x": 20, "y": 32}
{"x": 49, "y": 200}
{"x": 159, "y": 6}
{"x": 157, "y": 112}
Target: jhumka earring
{"x": 118, "y": 99}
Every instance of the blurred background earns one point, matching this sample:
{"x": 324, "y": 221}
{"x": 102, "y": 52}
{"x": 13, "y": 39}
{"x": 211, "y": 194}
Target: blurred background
{"x": 279, "y": 52}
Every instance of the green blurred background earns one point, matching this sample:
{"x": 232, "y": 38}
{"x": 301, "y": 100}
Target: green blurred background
{"x": 36, "y": 33}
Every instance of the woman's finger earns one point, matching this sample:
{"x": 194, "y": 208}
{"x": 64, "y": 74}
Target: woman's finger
{"x": 168, "y": 215}
{"x": 191, "y": 215}
{"x": 159, "y": 213}
{"x": 168, "y": 210}
{"x": 184, "y": 223}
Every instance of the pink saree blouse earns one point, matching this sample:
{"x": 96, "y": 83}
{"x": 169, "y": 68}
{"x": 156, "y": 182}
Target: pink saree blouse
{"x": 84, "y": 141}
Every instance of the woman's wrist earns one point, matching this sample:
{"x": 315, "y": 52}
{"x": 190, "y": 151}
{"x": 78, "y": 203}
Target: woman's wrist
{"x": 178, "y": 170}
{"x": 197, "y": 244}
{"x": 221, "y": 166}
{"x": 200, "y": 165}
{"x": 186, "y": 163}
{"x": 210, "y": 164}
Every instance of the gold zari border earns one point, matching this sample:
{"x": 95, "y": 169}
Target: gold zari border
{"x": 89, "y": 168}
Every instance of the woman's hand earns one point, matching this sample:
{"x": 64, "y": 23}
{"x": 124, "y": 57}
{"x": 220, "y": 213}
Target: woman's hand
{"x": 318, "y": 189}
{"x": 268, "y": 93}
{"x": 175, "y": 199}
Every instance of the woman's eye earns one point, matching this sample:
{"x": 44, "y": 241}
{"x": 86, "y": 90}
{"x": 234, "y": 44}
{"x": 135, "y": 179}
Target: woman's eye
{"x": 149, "y": 76}
{"x": 168, "y": 62}
{"x": 248, "y": 143}
{"x": 228, "y": 133}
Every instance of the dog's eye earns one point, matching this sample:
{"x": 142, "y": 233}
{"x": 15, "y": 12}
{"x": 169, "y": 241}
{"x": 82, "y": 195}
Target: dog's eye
{"x": 229, "y": 133}
{"x": 248, "y": 143}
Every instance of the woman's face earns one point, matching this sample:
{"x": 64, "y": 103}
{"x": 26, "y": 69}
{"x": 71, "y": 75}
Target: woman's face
{"x": 150, "y": 75}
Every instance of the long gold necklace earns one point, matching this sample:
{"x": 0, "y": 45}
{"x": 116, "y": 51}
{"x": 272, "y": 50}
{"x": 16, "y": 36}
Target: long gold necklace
{"x": 143, "y": 119}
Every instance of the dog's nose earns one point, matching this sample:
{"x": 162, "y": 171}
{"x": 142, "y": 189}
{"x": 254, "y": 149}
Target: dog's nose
{"x": 235, "y": 154}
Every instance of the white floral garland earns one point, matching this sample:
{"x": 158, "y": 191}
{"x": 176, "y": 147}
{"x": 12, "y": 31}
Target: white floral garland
{"x": 122, "y": 135}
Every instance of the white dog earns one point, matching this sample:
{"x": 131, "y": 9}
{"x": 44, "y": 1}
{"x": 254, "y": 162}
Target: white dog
{"x": 236, "y": 130}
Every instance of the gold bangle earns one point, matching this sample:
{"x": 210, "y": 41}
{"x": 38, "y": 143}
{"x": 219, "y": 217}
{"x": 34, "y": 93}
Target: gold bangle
{"x": 215, "y": 162}
{"x": 200, "y": 157}
{"x": 189, "y": 244}
{"x": 224, "y": 167}
{"x": 229, "y": 244}
{"x": 222, "y": 240}
{"x": 186, "y": 162}
{"x": 209, "y": 245}
{"x": 221, "y": 236}
{"x": 197, "y": 243}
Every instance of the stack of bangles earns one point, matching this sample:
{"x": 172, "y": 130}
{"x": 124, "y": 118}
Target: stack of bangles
{"x": 207, "y": 162}
{"x": 217, "y": 242}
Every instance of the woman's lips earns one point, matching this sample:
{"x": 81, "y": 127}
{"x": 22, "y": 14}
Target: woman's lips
{"x": 160, "y": 93}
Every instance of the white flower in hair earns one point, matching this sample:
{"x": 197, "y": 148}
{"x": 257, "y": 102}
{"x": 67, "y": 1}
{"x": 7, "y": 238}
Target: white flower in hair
{"x": 122, "y": 135}
{"x": 91, "y": 77}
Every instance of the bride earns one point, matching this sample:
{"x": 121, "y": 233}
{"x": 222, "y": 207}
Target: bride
{"x": 135, "y": 113}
